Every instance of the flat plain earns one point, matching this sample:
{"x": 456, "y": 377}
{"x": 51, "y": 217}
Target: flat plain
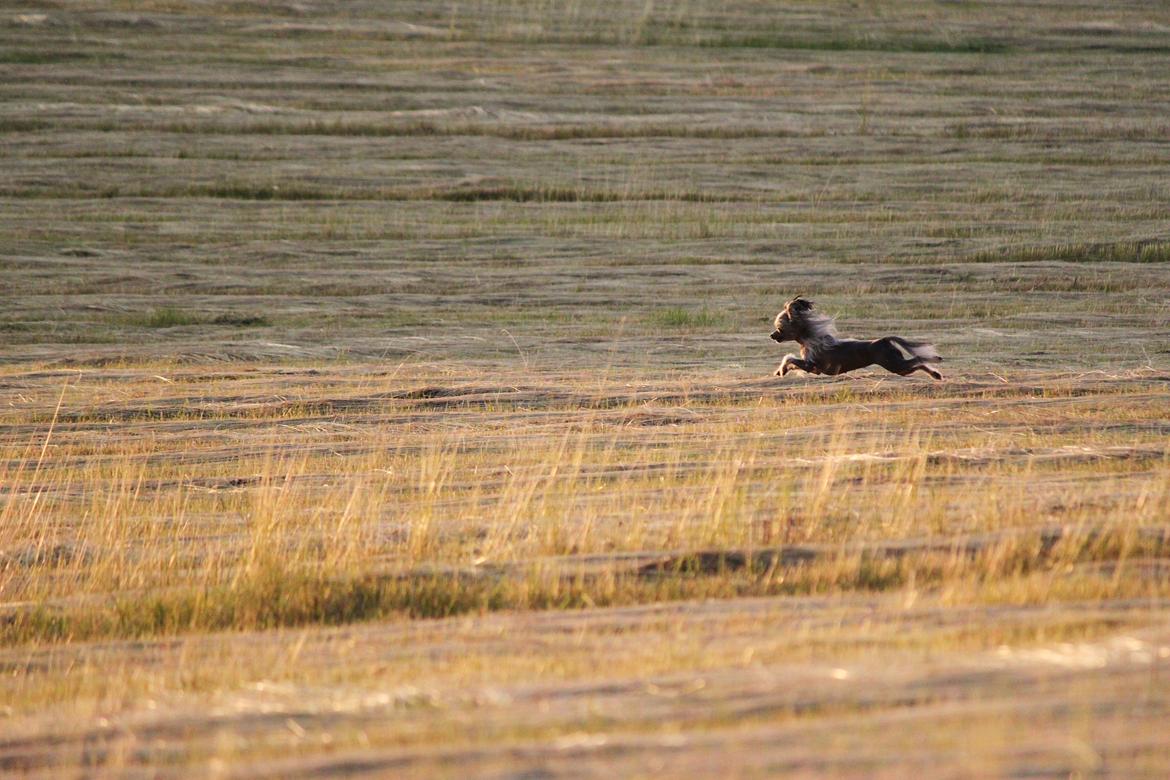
{"x": 385, "y": 389}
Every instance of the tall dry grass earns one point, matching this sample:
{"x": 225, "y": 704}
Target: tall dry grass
{"x": 155, "y": 533}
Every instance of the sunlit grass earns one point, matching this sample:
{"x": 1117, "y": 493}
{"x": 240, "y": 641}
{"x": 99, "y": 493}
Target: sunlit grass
{"x": 156, "y": 534}
{"x": 386, "y": 388}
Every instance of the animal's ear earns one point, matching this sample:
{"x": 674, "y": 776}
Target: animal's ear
{"x": 799, "y": 304}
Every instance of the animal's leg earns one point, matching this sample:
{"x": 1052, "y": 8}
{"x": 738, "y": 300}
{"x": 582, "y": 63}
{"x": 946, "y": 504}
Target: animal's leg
{"x": 908, "y": 367}
{"x": 792, "y": 361}
{"x": 934, "y": 372}
{"x": 807, "y": 366}
{"x": 891, "y": 360}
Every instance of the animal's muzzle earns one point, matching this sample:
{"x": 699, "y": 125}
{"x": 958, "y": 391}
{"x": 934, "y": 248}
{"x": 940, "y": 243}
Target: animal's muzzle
{"x": 776, "y": 336}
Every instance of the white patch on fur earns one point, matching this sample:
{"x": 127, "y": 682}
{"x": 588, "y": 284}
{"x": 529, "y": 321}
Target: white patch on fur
{"x": 822, "y": 332}
{"x": 924, "y": 352}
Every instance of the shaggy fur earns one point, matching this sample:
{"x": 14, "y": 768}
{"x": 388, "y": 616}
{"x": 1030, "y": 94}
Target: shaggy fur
{"x": 823, "y": 352}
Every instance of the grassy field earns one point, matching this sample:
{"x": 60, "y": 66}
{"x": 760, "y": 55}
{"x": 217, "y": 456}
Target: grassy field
{"x": 385, "y": 389}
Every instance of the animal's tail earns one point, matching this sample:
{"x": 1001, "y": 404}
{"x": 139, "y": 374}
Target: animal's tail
{"x": 919, "y": 349}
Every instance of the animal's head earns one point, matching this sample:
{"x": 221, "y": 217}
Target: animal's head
{"x": 790, "y": 322}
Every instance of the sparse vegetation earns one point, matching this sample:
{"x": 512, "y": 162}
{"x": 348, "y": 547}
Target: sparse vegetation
{"x": 386, "y": 388}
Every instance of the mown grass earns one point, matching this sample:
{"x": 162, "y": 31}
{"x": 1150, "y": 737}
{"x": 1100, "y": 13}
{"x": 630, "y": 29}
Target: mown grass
{"x": 395, "y": 128}
{"x": 784, "y": 40}
{"x": 1138, "y": 131}
{"x": 517, "y": 192}
{"x": 15, "y": 56}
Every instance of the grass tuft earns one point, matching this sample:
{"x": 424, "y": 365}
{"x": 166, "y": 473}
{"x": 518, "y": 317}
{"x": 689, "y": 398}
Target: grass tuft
{"x": 164, "y": 317}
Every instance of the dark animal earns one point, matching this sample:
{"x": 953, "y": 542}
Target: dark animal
{"x": 821, "y": 352}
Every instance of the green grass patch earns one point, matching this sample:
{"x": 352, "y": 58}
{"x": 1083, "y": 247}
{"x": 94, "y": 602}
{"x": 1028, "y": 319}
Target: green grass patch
{"x": 242, "y": 320}
{"x": 51, "y": 57}
{"x": 22, "y": 125}
{"x": 680, "y": 317}
{"x": 173, "y": 317}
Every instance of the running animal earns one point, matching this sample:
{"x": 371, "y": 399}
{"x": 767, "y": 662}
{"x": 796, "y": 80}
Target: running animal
{"x": 822, "y": 352}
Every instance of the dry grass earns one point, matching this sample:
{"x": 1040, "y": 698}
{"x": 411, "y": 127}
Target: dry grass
{"x": 384, "y": 389}
{"x": 280, "y": 499}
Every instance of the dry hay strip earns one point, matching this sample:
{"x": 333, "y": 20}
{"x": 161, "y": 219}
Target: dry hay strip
{"x": 1148, "y": 548}
{"x": 1044, "y": 540}
{"x": 1149, "y": 543}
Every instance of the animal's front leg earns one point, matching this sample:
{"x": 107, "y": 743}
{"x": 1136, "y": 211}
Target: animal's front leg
{"x": 792, "y": 361}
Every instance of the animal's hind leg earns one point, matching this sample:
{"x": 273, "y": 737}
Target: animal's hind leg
{"x": 892, "y": 360}
{"x": 934, "y": 372}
